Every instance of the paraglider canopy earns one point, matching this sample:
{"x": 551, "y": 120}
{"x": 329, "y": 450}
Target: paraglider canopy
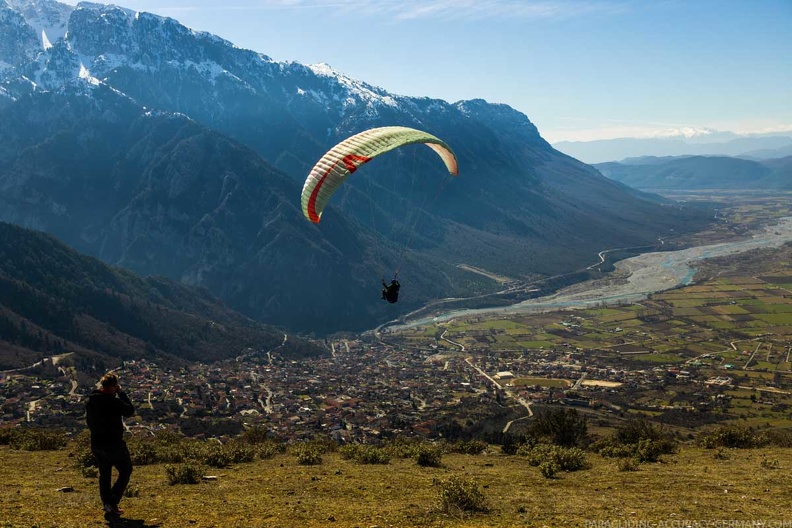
{"x": 343, "y": 159}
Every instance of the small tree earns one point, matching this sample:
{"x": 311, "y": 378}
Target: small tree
{"x": 564, "y": 427}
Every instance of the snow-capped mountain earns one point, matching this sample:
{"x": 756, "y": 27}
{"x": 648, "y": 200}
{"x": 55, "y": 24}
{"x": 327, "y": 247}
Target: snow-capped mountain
{"x": 172, "y": 151}
{"x": 18, "y": 43}
{"x": 48, "y": 19}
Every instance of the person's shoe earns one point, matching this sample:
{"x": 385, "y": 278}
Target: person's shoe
{"x": 112, "y": 509}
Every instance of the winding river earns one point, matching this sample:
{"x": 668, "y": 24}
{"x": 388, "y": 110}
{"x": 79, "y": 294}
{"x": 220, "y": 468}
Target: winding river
{"x": 645, "y": 274}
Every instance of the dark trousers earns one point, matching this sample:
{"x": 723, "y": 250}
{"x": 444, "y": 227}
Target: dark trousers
{"x": 108, "y": 457}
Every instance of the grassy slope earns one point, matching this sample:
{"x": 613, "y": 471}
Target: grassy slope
{"x": 277, "y": 492}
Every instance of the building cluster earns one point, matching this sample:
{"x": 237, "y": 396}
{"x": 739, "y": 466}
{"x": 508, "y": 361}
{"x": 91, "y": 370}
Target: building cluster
{"x": 364, "y": 388}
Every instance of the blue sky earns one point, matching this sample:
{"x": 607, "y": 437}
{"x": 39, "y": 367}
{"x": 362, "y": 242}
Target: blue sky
{"x": 578, "y": 69}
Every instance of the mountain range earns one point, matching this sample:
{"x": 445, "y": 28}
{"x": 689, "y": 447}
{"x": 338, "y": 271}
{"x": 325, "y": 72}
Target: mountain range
{"x": 701, "y": 173}
{"x": 172, "y": 152}
{"x": 684, "y": 142}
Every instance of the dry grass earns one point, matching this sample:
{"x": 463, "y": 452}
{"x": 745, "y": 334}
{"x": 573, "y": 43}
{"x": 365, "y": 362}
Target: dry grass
{"x": 339, "y": 493}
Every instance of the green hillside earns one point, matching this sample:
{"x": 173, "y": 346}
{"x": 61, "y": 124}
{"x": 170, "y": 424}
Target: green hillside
{"x": 54, "y": 300}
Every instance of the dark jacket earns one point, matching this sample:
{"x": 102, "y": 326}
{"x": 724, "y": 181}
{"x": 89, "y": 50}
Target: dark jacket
{"x": 391, "y": 293}
{"x": 103, "y": 413}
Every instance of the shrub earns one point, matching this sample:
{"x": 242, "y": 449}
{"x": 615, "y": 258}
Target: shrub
{"x": 458, "y": 495}
{"x": 165, "y": 437}
{"x": 170, "y": 454}
{"x": 548, "y": 469}
{"x": 132, "y": 491}
{"x": 143, "y": 453}
{"x": 563, "y": 458}
{"x": 364, "y": 454}
{"x": 721, "y": 454}
{"x": 81, "y": 454}
{"x": 780, "y": 437}
{"x": 770, "y": 464}
{"x": 213, "y": 455}
{"x": 733, "y": 436}
{"x": 650, "y": 450}
{"x": 402, "y": 447}
{"x": 89, "y": 472}
{"x": 427, "y": 455}
{"x": 564, "y": 427}
{"x": 34, "y": 439}
{"x": 269, "y": 448}
{"x": 325, "y": 444}
{"x": 188, "y": 473}
{"x": 612, "y": 450}
{"x": 638, "y": 439}
{"x": 5, "y": 435}
{"x": 255, "y": 435}
{"x": 468, "y": 447}
{"x": 373, "y": 455}
{"x": 238, "y": 452}
{"x": 308, "y": 454}
{"x": 639, "y": 429}
{"x": 510, "y": 443}
{"x": 349, "y": 451}
{"x": 628, "y": 464}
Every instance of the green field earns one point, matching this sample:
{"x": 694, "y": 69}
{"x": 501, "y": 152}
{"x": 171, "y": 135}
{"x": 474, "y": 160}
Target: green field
{"x": 739, "y": 308}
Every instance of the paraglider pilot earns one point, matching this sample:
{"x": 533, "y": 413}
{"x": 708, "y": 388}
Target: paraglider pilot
{"x": 391, "y": 293}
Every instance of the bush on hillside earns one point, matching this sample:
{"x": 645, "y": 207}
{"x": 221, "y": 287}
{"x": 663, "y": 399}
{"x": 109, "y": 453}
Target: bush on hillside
{"x": 733, "y": 436}
{"x": 188, "y": 473}
{"x": 548, "y": 469}
{"x": 364, "y": 454}
{"x": 403, "y": 447}
{"x": 510, "y": 443}
{"x": 639, "y": 439}
{"x": 628, "y": 464}
{"x": 428, "y": 455}
{"x": 270, "y": 449}
{"x": 780, "y": 437}
{"x": 467, "y": 447}
{"x": 562, "y": 458}
{"x": 266, "y": 445}
{"x": 33, "y": 438}
{"x": 256, "y": 435}
{"x": 459, "y": 495}
{"x": 562, "y": 426}
{"x": 308, "y": 453}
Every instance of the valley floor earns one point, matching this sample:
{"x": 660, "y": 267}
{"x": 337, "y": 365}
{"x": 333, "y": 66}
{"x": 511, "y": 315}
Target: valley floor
{"x": 691, "y": 488}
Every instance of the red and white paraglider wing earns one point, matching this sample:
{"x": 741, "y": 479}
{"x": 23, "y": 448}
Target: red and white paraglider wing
{"x": 339, "y": 162}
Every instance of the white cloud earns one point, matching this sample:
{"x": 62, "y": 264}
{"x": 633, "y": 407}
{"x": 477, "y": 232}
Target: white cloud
{"x": 501, "y": 8}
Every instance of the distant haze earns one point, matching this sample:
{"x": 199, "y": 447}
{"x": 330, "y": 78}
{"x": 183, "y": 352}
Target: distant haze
{"x": 717, "y": 144}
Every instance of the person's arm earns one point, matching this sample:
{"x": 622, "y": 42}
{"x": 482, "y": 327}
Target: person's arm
{"x": 124, "y": 405}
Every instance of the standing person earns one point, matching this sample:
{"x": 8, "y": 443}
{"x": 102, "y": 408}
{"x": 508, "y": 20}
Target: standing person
{"x": 104, "y": 411}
